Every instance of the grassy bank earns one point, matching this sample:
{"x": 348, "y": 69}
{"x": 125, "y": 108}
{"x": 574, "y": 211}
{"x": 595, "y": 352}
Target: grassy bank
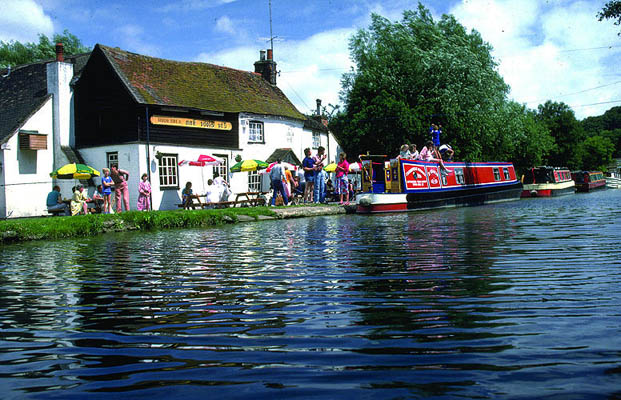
{"x": 49, "y": 228}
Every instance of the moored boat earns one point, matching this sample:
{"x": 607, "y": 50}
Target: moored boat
{"x": 588, "y": 180}
{"x": 547, "y": 181}
{"x": 407, "y": 185}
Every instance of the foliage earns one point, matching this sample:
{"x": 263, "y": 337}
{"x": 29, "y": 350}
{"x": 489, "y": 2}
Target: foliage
{"x": 94, "y": 224}
{"x": 14, "y": 53}
{"x": 417, "y": 71}
{"x": 611, "y": 10}
{"x": 567, "y": 133}
{"x": 596, "y": 153}
{"x": 607, "y": 125}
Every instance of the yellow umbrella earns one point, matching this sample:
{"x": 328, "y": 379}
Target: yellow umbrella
{"x": 74, "y": 171}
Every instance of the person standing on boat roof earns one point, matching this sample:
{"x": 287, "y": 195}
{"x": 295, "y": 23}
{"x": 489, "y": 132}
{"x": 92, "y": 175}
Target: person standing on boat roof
{"x": 436, "y": 131}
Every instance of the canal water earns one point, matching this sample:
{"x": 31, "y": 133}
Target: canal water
{"x": 518, "y": 300}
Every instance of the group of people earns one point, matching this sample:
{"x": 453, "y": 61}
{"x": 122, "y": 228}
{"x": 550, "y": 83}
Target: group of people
{"x": 113, "y": 179}
{"x": 217, "y": 190}
{"x": 316, "y": 178}
{"x": 432, "y": 151}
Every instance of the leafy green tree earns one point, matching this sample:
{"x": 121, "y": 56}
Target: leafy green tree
{"x": 417, "y": 71}
{"x": 607, "y": 125}
{"x": 611, "y": 10}
{"x": 14, "y": 53}
{"x": 596, "y": 153}
{"x": 567, "y": 132}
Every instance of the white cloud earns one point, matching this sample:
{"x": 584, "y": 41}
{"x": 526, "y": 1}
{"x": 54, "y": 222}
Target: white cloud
{"x": 131, "y": 38}
{"x": 23, "y": 20}
{"x": 225, "y": 25}
{"x": 309, "y": 69}
{"x": 548, "y": 50}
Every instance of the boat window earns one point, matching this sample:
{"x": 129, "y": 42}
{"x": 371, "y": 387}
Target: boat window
{"x": 444, "y": 181}
{"x": 459, "y": 176}
{"x": 505, "y": 172}
{"x": 496, "y": 174}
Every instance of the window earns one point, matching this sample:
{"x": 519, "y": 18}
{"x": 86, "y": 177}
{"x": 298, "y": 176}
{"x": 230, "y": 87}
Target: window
{"x": 169, "y": 177}
{"x": 505, "y": 172}
{"x": 444, "y": 181}
{"x": 459, "y": 176}
{"x": 112, "y": 158}
{"x": 222, "y": 169}
{"x": 255, "y": 134}
{"x": 496, "y": 174}
{"x": 316, "y": 140}
{"x": 254, "y": 181}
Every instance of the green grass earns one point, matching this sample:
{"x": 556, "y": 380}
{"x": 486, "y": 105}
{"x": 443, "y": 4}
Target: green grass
{"x": 17, "y": 230}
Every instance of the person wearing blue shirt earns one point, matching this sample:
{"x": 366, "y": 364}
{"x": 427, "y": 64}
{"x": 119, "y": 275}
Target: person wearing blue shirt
{"x": 435, "y": 130}
{"x": 55, "y": 202}
{"x": 308, "y": 165}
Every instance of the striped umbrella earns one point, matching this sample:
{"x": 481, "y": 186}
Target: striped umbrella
{"x": 74, "y": 171}
{"x": 249, "y": 165}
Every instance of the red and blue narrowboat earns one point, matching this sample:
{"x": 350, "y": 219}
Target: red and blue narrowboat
{"x": 547, "y": 181}
{"x": 407, "y": 185}
{"x": 588, "y": 180}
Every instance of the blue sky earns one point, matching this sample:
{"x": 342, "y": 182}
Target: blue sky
{"x": 546, "y": 49}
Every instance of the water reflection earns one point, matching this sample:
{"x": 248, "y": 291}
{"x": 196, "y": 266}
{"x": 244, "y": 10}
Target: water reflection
{"x": 477, "y": 302}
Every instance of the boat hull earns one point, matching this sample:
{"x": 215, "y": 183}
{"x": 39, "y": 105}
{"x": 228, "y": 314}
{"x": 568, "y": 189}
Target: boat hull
{"x": 399, "y": 202}
{"x": 587, "y": 187}
{"x": 548, "y": 189}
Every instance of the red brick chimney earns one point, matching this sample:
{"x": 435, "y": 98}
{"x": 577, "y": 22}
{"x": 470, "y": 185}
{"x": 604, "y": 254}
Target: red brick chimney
{"x": 267, "y": 68}
{"x": 59, "y": 52}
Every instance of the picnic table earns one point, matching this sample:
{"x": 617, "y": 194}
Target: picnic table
{"x": 250, "y": 199}
{"x": 244, "y": 199}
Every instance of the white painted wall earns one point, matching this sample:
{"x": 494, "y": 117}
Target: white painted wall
{"x": 26, "y": 172}
{"x": 59, "y": 75}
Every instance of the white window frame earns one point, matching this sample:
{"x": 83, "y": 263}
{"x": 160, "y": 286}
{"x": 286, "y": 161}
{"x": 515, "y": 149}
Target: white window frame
{"x": 254, "y": 181}
{"x": 459, "y": 176}
{"x": 496, "y": 173}
{"x": 505, "y": 172}
{"x": 112, "y": 158}
{"x": 256, "y": 132}
{"x": 316, "y": 140}
{"x": 168, "y": 171}
{"x": 222, "y": 169}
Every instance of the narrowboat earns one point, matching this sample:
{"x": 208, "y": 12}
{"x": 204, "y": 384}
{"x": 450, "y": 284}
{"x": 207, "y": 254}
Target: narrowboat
{"x": 407, "y": 185}
{"x": 547, "y": 181}
{"x": 588, "y": 180}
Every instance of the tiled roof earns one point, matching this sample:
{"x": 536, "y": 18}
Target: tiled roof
{"x": 197, "y": 85}
{"x": 23, "y": 90}
{"x": 286, "y": 155}
{"x": 314, "y": 123}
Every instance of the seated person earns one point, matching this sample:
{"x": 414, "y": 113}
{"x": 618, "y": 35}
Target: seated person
{"x": 78, "y": 201}
{"x": 212, "y": 192}
{"x": 404, "y": 152}
{"x": 446, "y": 152}
{"x": 55, "y": 201}
{"x": 188, "y": 195}
{"x": 98, "y": 199}
{"x": 430, "y": 153}
{"x": 299, "y": 186}
{"x": 413, "y": 152}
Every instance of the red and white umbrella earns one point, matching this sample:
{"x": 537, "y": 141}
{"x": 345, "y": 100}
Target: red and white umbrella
{"x": 355, "y": 167}
{"x": 202, "y": 161}
{"x": 289, "y": 166}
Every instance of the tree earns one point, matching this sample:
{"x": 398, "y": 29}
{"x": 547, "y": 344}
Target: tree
{"x": 596, "y": 153}
{"x": 611, "y": 10}
{"x": 14, "y": 53}
{"x": 607, "y": 125}
{"x": 567, "y": 132}
{"x": 415, "y": 72}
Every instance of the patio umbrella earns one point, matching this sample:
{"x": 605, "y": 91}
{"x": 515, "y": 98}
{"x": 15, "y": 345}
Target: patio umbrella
{"x": 289, "y": 166}
{"x": 249, "y": 165}
{"x": 74, "y": 171}
{"x": 202, "y": 161}
{"x": 353, "y": 167}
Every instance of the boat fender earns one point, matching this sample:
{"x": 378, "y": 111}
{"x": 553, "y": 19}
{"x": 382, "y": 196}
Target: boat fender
{"x": 533, "y": 193}
{"x": 366, "y": 202}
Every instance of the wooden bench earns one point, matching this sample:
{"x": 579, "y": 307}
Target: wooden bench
{"x": 55, "y": 213}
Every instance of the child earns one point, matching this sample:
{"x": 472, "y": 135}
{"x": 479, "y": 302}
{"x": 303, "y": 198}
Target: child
{"x": 342, "y": 184}
{"x": 98, "y": 199}
{"x": 106, "y": 192}
{"x": 188, "y": 195}
{"x": 144, "y": 194}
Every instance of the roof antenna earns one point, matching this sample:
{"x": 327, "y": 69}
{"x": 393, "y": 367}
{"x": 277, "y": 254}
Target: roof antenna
{"x": 271, "y": 35}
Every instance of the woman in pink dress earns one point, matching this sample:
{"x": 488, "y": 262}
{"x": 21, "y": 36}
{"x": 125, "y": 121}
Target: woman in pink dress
{"x": 144, "y": 194}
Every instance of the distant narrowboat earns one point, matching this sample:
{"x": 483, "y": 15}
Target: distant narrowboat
{"x": 588, "y": 180}
{"x": 547, "y": 181}
{"x": 407, "y": 185}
